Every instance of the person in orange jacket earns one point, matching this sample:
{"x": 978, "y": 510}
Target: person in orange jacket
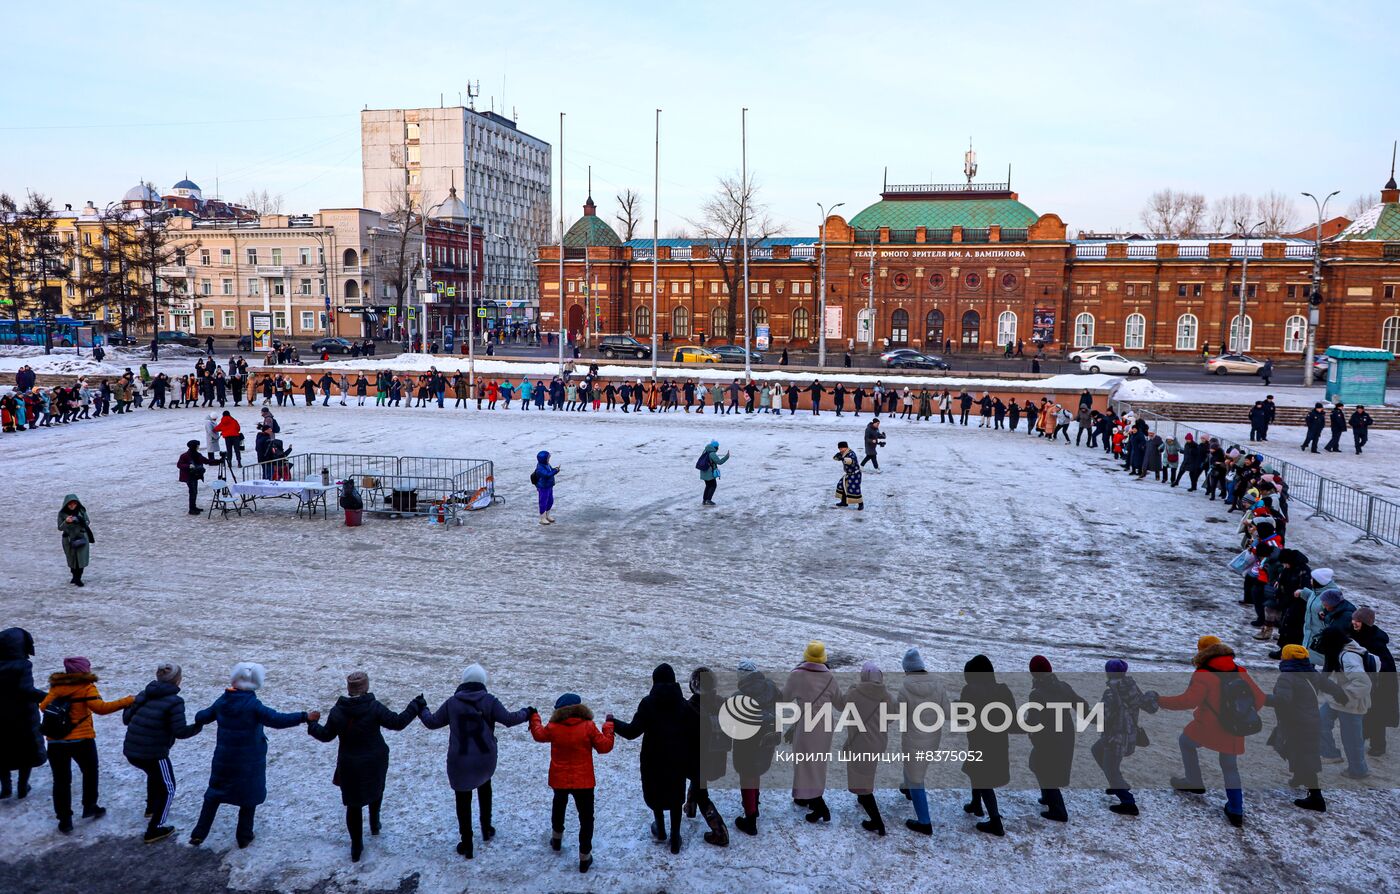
{"x": 77, "y": 688}
{"x": 232, "y": 433}
{"x": 1205, "y": 697}
{"x": 572, "y": 738}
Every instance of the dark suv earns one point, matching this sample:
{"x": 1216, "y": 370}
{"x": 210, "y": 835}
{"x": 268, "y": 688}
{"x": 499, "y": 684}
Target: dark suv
{"x": 623, "y": 346}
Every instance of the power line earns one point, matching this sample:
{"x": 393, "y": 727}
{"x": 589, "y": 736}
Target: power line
{"x": 170, "y": 123}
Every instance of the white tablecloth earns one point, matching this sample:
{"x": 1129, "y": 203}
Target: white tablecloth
{"x": 258, "y": 487}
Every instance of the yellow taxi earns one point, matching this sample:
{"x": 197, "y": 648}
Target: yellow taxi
{"x": 694, "y": 354}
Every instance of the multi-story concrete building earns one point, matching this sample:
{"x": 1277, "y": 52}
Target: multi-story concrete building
{"x": 501, "y": 173}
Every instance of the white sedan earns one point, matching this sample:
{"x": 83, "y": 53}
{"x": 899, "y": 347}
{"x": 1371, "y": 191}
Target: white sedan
{"x": 1113, "y": 363}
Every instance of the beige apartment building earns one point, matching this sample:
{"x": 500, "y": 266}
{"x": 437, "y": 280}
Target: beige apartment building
{"x": 322, "y": 274}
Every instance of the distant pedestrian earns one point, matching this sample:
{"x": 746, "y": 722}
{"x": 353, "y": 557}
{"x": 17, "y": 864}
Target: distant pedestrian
{"x": 708, "y": 464}
{"x": 848, "y": 488}
{"x": 874, "y": 440}
{"x": 77, "y": 536}
{"x": 543, "y": 480}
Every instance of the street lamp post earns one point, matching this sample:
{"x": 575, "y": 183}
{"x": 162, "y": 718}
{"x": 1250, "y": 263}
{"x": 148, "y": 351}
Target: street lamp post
{"x": 821, "y": 283}
{"x": 744, "y": 232}
{"x": 655, "y": 229}
{"x": 1315, "y": 294}
{"x": 1239, "y": 344}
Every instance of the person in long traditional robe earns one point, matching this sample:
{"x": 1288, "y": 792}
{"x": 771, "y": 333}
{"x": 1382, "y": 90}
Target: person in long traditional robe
{"x": 848, "y": 488}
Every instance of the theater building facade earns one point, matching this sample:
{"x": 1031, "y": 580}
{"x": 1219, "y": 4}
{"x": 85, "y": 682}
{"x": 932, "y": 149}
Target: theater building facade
{"x": 968, "y": 268}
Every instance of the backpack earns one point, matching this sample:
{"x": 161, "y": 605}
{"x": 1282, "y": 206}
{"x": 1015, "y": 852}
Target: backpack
{"x": 703, "y": 463}
{"x": 1370, "y": 663}
{"x": 1237, "y": 715}
{"x": 57, "y": 720}
{"x": 535, "y": 478}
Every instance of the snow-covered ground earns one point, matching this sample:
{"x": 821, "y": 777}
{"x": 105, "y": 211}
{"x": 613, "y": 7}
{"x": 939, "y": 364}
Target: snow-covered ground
{"x": 973, "y": 541}
{"x": 174, "y": 360}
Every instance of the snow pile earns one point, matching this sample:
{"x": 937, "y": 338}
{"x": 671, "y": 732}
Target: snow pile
{"x": 63, "y": 362}
{"x": 1142, "y": 389}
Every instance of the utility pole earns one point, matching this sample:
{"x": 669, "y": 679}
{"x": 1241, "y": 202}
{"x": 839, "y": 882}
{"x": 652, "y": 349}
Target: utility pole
{"x": 655, "y": 229}
{"x": 821, "y": 284}
{"x": 1315, "y": 294}
{"x": 562, "y": 330}
{"x": 871, "y": 305}
{"x": 1239, "y": 345}
{"x": 744, "y": 228}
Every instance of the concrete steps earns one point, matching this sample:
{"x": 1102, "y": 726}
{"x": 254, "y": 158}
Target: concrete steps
{"x": 1385, "y": 417}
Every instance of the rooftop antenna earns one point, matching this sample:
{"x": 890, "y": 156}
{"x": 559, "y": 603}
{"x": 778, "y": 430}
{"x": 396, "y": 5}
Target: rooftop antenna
{"x": 473, "y": 91}
{"x": 1008, "y": 175}
{"x": 970, "y": 162}
{"x": 1391, "y": 183}
{"x": 885, "y": 182}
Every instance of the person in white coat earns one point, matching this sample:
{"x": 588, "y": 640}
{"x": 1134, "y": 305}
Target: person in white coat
{"x": 1345, "y": 660}
{"x": 812, "y": 685}
{"x": 918, "y": 695}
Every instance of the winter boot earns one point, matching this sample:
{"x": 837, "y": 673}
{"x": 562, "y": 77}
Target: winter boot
{"x": 1235, "y": 819}
{"x": 921, "y": 828}
{"x": 1124, "y": 809}
{"x": 1185, "y": 786}
{"x": 94, "y": 813}
{"x": 6, "y": 791}
{"x": 584, "y": 862}
{"x": 1312, "y": 802}
{"x": 748, "y": 823}
{"x": 992, "y": 826}
{"x": 658, "y": 830}
{"x": 556, "y": 840}
{"x": 65, "y": 825}
{"x": 819, "y": 811}
{"x": 875, "y": 823}
{"x": 1265, "y": 633}
{"x": 719, "y": 833}
{"x": 973, "y": 808}
{"x": 159, "y": 833}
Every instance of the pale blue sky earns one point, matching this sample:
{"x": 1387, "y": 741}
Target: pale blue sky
{"x": 1094, "y": 105}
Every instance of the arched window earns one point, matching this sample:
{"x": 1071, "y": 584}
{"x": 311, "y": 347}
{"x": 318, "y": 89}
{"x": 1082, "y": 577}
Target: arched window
{"x": 1084, "y": 330}
{"x": 760, "y": 318}
{"x": 933, "y": 330}
{"x": 1390, "y": 335}
{"x": 801, "y": 323}
{"x": 1134, "y": 332}
{"x": 971, "y": 330}
{"x": 643, "y": 324}
{"x": 680, "y": 322}
{"x": 719, "y": 322}
{"x": 899, "y": 328}
{"x": 1187, "y": 326}
{"x": 352, "y": 290}
{"x": 1006, "y": 328}
{"x": 1241, "y": 340}
{"x": 350, "y": 259}
{"x": 1295, "y": 334}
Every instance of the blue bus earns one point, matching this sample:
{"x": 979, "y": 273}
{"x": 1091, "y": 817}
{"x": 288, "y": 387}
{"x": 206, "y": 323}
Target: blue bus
{"x": 31, "y": 332}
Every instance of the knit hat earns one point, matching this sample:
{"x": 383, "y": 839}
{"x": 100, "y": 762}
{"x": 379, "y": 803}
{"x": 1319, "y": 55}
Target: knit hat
{"x": 1040, "y": 665}
{"x": 247, "y": 676}
{"x": 193, "y": 445}
{"x": 1206, "y": 642}
{"x": 1366, "y": 615}
{"x": 1323, "y": 576}
{"x": 474, "y": 673}
{"x": 913, "y": 662}
{"x": 168, "y": 672}
{"x": 870, "y": 673}
{"x": 1115, "y": 666}
{"x": 77, "y": 665}
{"x": 815, "y": 652}
{"x": 567, "y": 699}
{"x": 1294, "y": 652}
{"x": 714, "y": 443}
{"x": 747, "y": 667}
{"x": 1331, "y": 598}
{"x": 357, "y": 683}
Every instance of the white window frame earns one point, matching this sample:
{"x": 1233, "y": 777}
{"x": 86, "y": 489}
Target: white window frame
{"x": 1134, "y": 332}
{"x": 1188, "y": 329}
{"x": 1084, "y": 330}
{"x": 1006, "y": 328}
{"x": 279, "y": 320}
{"x": 1390, "y": 335}
{"x": 1295, "y": 334}
{"x": 229, "y": 319}
{"x": 225, "y": 286}
{"x": 1240, "y": 345}
{"x": 206, "y": 319}
{"x": 308, "y": 320}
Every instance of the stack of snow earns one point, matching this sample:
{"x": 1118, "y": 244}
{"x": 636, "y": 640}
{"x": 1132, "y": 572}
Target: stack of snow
{"x": 1142, "y": 389}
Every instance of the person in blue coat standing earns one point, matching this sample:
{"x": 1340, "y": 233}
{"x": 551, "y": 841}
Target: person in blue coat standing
{"x": 471, "y": 715}
{"x": 708, "y": 464}
{"x": 543, "y": 480}
{"x": 526, "y": 392}
{"x": 238, "y": 772}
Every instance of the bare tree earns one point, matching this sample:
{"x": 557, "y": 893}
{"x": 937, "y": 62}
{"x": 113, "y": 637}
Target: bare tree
{"x": 11, "y": 255}
{"x": 149, "y": 248}
{"x": 47, "y": 263}
{"x": 1172, "y": 214}
{"x": 721, "y": 226}
{"x": 106, "y": 276}
{"x": 1231, "y": 214}
{"x": 1361, "y": 204}
{"x": 263, "y": 202}
{"x": 405, "y": 257}
{"x": 629, "y": 213}
{"x": 1277, "y": 212}
{"x": 678, "y": 233}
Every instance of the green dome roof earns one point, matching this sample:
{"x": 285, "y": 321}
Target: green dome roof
{"x": 907, "y": 214}
{"x": 1378, "y": 223}
{"x": 591, "y": 231}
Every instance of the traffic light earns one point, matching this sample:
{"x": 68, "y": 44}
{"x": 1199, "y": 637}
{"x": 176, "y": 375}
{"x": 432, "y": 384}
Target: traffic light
{"x": 1315, "y": 297}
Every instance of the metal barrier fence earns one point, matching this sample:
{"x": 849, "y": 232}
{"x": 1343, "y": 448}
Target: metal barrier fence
{"x": 1377, "y": 518}
{"x": 396, "y": 485}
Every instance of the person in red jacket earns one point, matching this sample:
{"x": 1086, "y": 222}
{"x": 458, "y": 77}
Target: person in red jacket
{"x": 1214, "y": 661}
{"x": 232, "y": 433}
{"x": 572, "y": 738}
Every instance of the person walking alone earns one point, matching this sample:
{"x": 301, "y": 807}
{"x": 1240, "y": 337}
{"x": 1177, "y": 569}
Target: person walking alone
{"x": 77, "y": 536}
{"x": 874, "y": 440}
{"x": 708, "y": 464}
{"x": 543, "y": 480}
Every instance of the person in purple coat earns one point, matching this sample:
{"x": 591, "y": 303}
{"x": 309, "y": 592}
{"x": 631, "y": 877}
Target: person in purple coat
{"x": 472, "y": 714}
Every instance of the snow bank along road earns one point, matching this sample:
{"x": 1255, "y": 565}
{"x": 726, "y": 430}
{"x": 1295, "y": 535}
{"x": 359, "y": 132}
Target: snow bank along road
{"x": 972, "y": 541}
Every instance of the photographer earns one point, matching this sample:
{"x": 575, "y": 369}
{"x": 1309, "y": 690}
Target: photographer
{"x": 191, "y": 465}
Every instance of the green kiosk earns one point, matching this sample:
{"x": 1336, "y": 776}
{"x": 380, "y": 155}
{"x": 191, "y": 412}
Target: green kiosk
{"x": 1357, "y": 375}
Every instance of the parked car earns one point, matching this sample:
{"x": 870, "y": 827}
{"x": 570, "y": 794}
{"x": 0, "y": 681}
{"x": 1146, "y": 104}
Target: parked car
{"x": 694, "y": 354}
{"x": 613, "y": 346}
{"x": 175, "y": 337}
{"x": 117, "y": 340}
{"x": 1113, "y": 363}
{"x": 1079, "y": 355}
{"x": 332, "y": 345}
{"x": 1320, "y": 366}
{"x": 915, "y": 360}
{"x": 735, "y": 354}
{"x": 245, "y": 343}
{"x": 1240, "y": 364}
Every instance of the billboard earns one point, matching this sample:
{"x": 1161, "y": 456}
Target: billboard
{"x": 1043, "y": 326}
{"x": 833, "y": 322}
{"x": 761, "y": 338}
{"x": 261, "y": 324}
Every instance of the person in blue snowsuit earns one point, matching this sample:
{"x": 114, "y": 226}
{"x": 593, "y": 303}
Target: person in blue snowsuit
{"x": 543, "y": 480}
{"x": 525, "y": 391}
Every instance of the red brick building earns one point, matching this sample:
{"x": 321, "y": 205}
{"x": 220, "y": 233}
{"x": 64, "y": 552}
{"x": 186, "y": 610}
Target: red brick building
{"x": 970, "y": 267}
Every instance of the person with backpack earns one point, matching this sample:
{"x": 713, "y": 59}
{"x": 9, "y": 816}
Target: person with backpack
{"x": 572, "y": 737}
{"x": 661, "y": 721}
{"x": 1299, "y": 729}
{"x": 1225, "y": 702}
{"x": 76, "y": 536}
{"x": 238, "y": 771}
{"x": 708, "y": 464}
{"x": 66, "y": 720}
{"x": 471, "y": 716}
{"x": 1121, "y": 734}
{"x": 154, "y": 720}
{"x": 543, "y": 480}
{"x": 1385, "y": 699}
{"x": 362, "y": 758}
{"x": 754, "y": 756}
{"x": 1350, "y": 667}
{"x": 21, "y": 742}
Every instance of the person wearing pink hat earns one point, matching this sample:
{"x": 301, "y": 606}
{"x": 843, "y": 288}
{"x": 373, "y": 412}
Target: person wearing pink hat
{"x": 66, "y": 720}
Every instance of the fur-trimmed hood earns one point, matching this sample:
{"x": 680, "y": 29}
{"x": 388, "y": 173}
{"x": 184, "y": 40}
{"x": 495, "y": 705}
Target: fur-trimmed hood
{"x": 67, "y": 679}
{"x": 568, "y": 712}
{"x": 1209, "y": 654}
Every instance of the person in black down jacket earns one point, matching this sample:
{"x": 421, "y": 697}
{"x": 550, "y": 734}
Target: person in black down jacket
{"x": 153, "y": 722}
{"x": 1052, "y": 749}
{"x": 362, "y": 763}
{"x": 1297, "y": 736}
{"x": 753, "y": 756}
{"x": 992, "y": 750}
{"x": 21, "y": 744}
{"x": 668, "y": 743}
